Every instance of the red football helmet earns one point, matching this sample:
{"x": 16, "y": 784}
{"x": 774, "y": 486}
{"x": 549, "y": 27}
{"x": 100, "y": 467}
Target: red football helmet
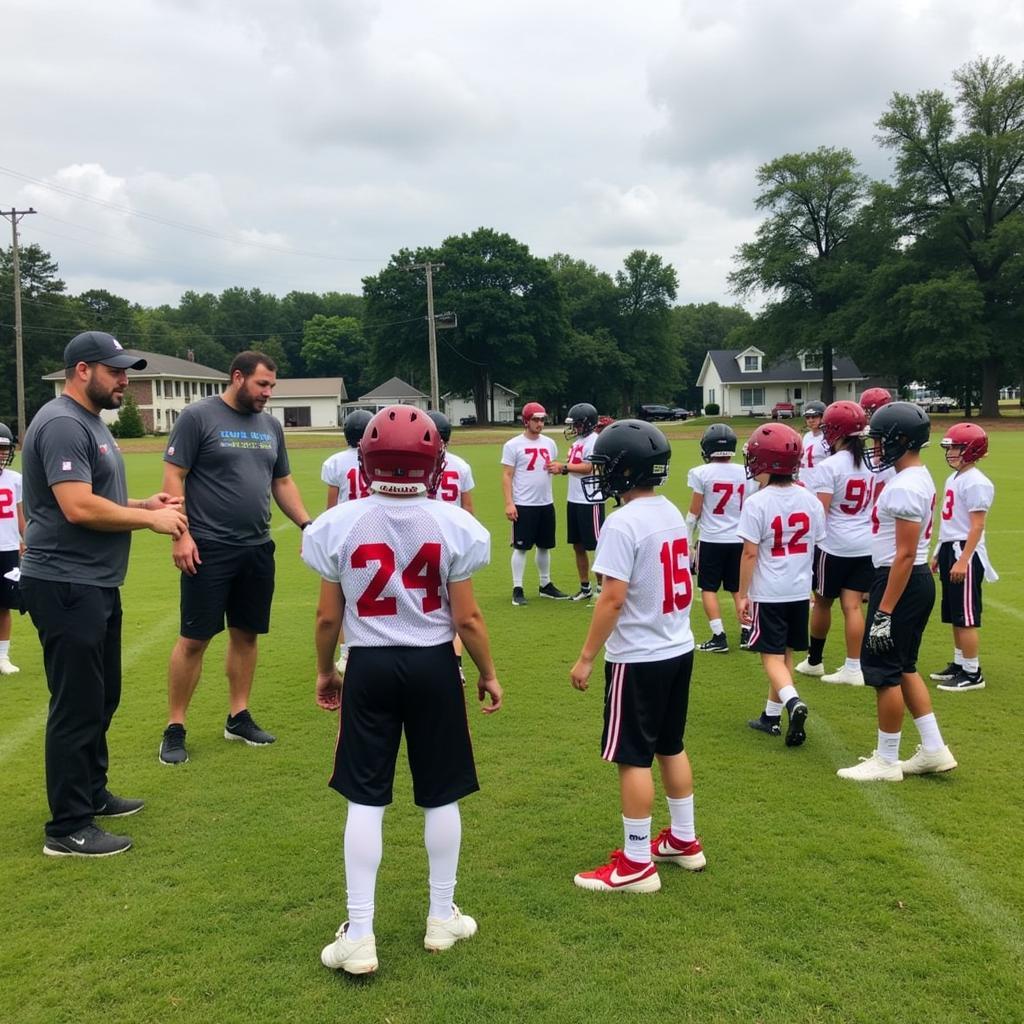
{"x": 533, "y": 409}
{"x": 400, "y": 451}
{"x": 970, "y": 439}
{"x": 842, "y": 419}
{"x": 773, "y": 448}
{"x": 874, "y": 398}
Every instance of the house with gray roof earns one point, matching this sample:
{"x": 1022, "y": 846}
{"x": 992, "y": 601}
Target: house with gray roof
{"x": 742, "y": 382}
{"x": 392, "y": 392}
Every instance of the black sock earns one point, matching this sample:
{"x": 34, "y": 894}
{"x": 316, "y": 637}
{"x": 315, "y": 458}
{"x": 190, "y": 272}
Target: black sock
{"x": 584, "y": 584}
{"x": 814, "y": 655}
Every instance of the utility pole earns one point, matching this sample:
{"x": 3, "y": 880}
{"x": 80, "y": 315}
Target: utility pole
{"x": 19, "y": 356}
{"x": 435, "y": 389}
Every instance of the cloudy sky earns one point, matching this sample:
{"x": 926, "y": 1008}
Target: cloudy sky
{"x": 176, "y": 144}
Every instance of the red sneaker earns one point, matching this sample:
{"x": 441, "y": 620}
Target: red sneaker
{"x": 666, "y": 849}
{"x": 621, "y": 875}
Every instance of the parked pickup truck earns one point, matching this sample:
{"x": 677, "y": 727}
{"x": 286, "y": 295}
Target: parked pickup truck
{"x": 783, "y": 411}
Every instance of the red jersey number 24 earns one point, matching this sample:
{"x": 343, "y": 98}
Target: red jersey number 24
{"x": 422, "y": 573}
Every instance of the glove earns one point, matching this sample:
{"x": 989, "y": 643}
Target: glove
{"x": 880, "y": 633}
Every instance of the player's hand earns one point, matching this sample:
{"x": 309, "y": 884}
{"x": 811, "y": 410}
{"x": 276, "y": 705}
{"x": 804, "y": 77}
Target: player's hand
{"x": 958, "y": 573}
{"x": 492, "y": 688}
{"x": 579, "y": 674}
{"x": 169, "y": 520}
{"x": 879, "y": 639}
{"x": 934, "y": 566}
{"x": 554, "y": 468}
{"x": 511, "y": 512}
{"x": 746, "y": 617}
{"x": 186, "y": 555}
{"x": 328, "y": 690}
{"x": 162, "y": 500}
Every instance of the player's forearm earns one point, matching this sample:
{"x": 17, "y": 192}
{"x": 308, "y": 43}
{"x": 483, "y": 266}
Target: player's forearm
{"x": 899, "y": 574}
{"x": 973, "y": 536}
{"x": 606, "y": 614}
{"x": 289, "y": 501}
{"x": 506, "y": 485}
{"x": 325, "y": 635}
{"x": 473, "y": 632}
{"x": 747, "y": 564}
{"x": 97, "y": 513}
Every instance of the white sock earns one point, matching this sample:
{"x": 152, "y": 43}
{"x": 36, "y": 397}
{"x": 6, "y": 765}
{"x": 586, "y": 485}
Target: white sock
{"x": 928, "y": 727}
{"x": 5, "y": 648}
{"x": 958, "y": 656}
{"x": 772, "y": 709}
{"x": 518, "y": 567}
{"x": 889, "y": 746}
{"x": 787, "y": 693}
{"x": 970, "y": 664}
{"x": 853, "y": 664}
{"x": 364, "y": 844}
{"x": 716, "y": 626}
{"x": 442, "y": 836}
{"x": 544, "y": 565}
{"x": 681, "y": 813}
{"x": 637, "y": 845}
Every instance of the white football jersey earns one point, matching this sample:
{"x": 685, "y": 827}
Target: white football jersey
{"x": 10, "y": 499}
{"x": 815, "y": 452}
{"x": 456, "y": 479}
{"x": 852, "y": 492}
{"x": 342, "y": 470}
{"x": 964, "y": 493}
{"x": 785, "y": 522}
{"x": 394, "y": 559}
{"x": 883, "y": 477}
{"x": 910, "y": 495}
{"x": 644, "y": 543}
{"x": 723, "y": 486}
{"x": 579, "y": 451}
{"x": 531, "y": 481}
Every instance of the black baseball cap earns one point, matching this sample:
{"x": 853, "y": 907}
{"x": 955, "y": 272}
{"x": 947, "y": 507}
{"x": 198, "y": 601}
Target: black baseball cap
{"x": 97, "y": 347}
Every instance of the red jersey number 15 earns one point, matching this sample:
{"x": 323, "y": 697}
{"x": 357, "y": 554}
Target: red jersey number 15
{"x": 675, "y": 575}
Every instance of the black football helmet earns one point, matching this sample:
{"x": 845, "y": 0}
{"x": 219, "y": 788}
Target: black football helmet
{"x": 355, "y": 425}
{"x": 898, "y": 427}
{"x": 628, "y": 454}
{"x": 717, "y": 439}
{"x": 582, "y": 420}
{"x": 443, "y": 424}
{"x": 814, "y": 408}
{"x": 6, "y": 446}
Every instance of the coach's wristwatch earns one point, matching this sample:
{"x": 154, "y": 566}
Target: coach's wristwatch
{"x": 308, "y": 522}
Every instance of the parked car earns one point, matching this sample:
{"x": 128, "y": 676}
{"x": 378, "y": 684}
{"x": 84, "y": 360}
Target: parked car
{"x": 655, "y": 412}
{"x": 942, "y": 404}
{"x": 467, "y": 421}
{"x": 783, "y": 411}
{"x": 681, "y": 414}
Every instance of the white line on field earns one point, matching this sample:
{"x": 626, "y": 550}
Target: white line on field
{"x": 1006, "y": 609}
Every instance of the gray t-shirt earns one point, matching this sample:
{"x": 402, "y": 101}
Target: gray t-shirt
{"x": 66, "y": 442}
{"x": 231, "y": 458}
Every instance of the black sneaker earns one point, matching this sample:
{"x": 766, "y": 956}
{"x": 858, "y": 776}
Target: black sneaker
{"x": 118, "y": 806}
{"x": 550, "y": 590}
{"x": 518, "y": 597}
{"x": 172, "y": 746}
{"x": 242, "y": 727}
{"x": 718, "y": 644}
{"x": 963, "y": 680}
{"x": 771, "y": 724}
{"x": 90, "y": 841}
{"x": 795, "y": 734}
{"x": 949, "y": 672}
{"x": 583, "y": 594}
{"x": 745, "y": 638}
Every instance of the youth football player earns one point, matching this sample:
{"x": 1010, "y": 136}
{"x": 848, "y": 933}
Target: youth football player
{"x": 398, "y": 566}
{"x": 961, "y": 560}
{"x": 456, "y": 480}
{"x": 642, "y": 620}
{"x": 12, "y": 530}
{"x": 902, "y": 596}
{"x": 779, "y": 526}
{"x": 814, "y": 448}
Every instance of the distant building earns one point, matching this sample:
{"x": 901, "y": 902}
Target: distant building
{"x": 392, "y": 392}
{"x": 308, "y": 402}
{"x": 501, "y": 405}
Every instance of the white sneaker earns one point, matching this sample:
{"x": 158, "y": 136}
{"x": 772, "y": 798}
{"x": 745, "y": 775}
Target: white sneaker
{"x": 873, "y": 769}
{"x": 443, "y": 934}
{"x": 849, "y": 676}
{"x": 342, "y": 662}
{"x": 805, "y": 668}
{"x": 926, "y": 762}
{"x": 358, "y": 956}
{"x": 7, "y": 669}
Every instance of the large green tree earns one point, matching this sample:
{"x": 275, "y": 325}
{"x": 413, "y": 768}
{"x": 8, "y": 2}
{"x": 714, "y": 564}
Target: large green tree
{"x": 335, "y": 346}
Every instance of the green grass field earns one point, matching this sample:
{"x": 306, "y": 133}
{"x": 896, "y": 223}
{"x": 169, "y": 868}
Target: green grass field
{"x": 822, "y": 901}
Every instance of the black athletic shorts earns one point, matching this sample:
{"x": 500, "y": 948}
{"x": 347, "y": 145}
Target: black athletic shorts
{"x": 645, "y": 709}
{"x": 10, "y": 596}
{"x": 833, "y": 573}
{"x": 584, "y": 524}
{"x": 909, "y": 618}
{"x": 777, "y": 625}
{"x": 233, "y": 581}
{"x": 418, "y": 689}
{"x": 535, "y": 525}
{"x": 961, "y": 602}
{"x": 718, "y": 565}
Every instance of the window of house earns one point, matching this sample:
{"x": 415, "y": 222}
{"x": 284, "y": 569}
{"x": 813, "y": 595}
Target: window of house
{"x": 750, "y": 397}
{"x": 711, "y": 395}
{"x": 177, "y": 389}
{"x": 159, "y": 389}
{"x": 798, "y": 394}
{"x": 811, "y": 360}
{"x": 751, "y": 364}
{"x": 195, "y": 388}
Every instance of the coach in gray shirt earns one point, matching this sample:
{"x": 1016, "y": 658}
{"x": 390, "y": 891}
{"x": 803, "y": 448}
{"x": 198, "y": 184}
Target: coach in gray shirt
{"x": 79, "y": 523}
{"x": 226, "y": 456}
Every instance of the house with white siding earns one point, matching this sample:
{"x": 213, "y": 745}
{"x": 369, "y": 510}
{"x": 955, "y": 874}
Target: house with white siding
{"x": 308, "y": 402}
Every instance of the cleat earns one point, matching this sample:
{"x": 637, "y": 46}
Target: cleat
{"x": 443, "y": 933}
{"x": 805, "y": 668}
{"x": 353, "y": 956}
{"x": 795, "y": 734}
{"x": 945, "y": 674}
{"x": 718, "y": 644}
{"x": 518, "y": 597}
{"x": 583, "y": 594}
{"x": 90, "y": 841}
{"x": 551, "y": 591}
{"x": 963, "y": 681}
{"x": 7, "y": 668}
{"x": 172, "y": 746}
{"x": 929, "y": 762}
{"x": 620, "y": 875}
{"x": 118, "y": 806}
{"x": 666, "y": 849}
{"x": 873, "y": 769}
{"x": 846, "y": 676}
{"x": 769, "y": 724}
{"x": 243, "y": 727}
